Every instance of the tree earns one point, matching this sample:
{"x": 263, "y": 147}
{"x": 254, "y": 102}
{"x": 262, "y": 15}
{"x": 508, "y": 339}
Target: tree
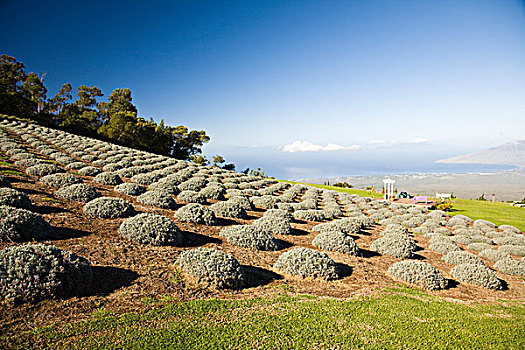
{"x": 199, "y": 159}
{"x": 187, "y": 143}
{"x": 35, "y": 90}
{"x": 87, "y": 96}
{"x": 62, "y": 98}
{"x": 120, "y": 101}
{"x": 13, "y": 100}
{"x": 218, "y": 160}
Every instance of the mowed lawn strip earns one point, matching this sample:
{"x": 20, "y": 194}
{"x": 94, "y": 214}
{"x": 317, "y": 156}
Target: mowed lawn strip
{"x": 404, "y": 318}
{"x": 362, "y": 193}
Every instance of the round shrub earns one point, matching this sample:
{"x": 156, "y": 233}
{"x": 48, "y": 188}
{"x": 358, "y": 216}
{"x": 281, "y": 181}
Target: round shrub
{"x": 89, "y": 171}
{"x": 157, "y": 198}
{"x": 229, "y": 209}
{"x": 481, "y": 222}
{"x": 108, "y": 179}
{"x": 460, "y": 219}
{"x": 146, "y": 179}
{"x": 493, "y": 254}
{"x": 35, "y": 272}
{"x": 109, "y": 208}
{"x": 196, "y": 213}
{"x": 4, "y": 181}
{"x": 242, "y": 201}
{"x": 307, "y": 262}
{"x": 265, "y": 202}
{"x": 191, "y": 197}
{"x": 336, "y": 241}
{"x": 510, "y": 266}
{"x": 78, "y": 192}
{"x": 21, "y": 225}
{"x": 509, "y": 240}
{"x": 151, "y": 229}
{"x": 395, "y": 245}
{"x": 278, "y": 213}
{"x": 14, "y": 198}
{"x": 59, "y": 180}
{"x": 476, "y": 274}
{"x": 249, "y": 236}
{"x": 444, "y": 247}
{"x": 130, "y": 189}
{"x": 462, "y": 257}
{"x": 509, "y": 228}
{"x": 517, "y": 250}
{"x": 462, "y": 239}
{"x": 111, "y": 167}
{"x": 478, "y": 247}
{"x": 418, "y": 273}
{"x": 192, "y": 185}
{"x": 26, "y": 163}
{"x": 274, "y": 224}
{"x": 395, "y": 228}
{"x": 76, "y": 165}
{"x": 214, "y": 192}
{"x": 212, "y": 268}
{"x": 309, "y": 215}
{"x": 43, "y": 169}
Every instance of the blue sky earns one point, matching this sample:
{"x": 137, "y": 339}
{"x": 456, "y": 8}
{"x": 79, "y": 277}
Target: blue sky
{"x": 294, "y": 79}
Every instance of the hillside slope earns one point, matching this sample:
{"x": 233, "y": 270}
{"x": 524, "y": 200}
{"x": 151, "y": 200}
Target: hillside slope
{"x": 511, "y": 153}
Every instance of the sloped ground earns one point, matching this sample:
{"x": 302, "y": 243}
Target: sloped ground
{"x": 129, "y": 275}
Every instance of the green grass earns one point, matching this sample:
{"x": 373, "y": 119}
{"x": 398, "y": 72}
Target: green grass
{"x": 401, "y": 319}
{"x": 2, "y": 163}
{"x": 362, "y": 193}
{"x": 496, "y": 212}
{"x": 12, "y": 172}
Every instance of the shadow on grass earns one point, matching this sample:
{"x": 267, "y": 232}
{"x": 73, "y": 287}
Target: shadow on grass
{"x": 257, "y": 276}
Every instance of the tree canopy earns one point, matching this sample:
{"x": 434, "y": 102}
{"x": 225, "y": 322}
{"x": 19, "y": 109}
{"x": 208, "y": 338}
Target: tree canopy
{"x": 116, "y": 119}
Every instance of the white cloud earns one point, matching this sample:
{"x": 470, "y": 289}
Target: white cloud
{"x": 417, "y": 140}
{"x": 306, "y": 146}
{"x": 377, "y": 142}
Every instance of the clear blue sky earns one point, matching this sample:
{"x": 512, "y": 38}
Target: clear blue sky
{"x": 338, "y": 77}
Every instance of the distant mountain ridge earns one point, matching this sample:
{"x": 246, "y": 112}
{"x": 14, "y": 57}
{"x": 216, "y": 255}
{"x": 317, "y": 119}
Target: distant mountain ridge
{"x": 510, "y": 153}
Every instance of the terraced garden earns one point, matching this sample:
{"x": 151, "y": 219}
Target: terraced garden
{"x": 101, "y": 242}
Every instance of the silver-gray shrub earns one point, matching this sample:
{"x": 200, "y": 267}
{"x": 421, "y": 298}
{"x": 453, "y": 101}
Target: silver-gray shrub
{"x": 59, "y": 180}
{"x": 193, "y": 184}
{"x": 146, "y": 179}
{"x": 249, "y": 236}
{"x": 493, "y": 254}
{"x": 43, "y": 169}
{"x": 478, "y": 247}
{"x": 191, "y": 197}
{"x": 476, "y": 274}
{"x": 34, "y": 272}
{"x": 215, "y": 192}
{"x": 509, "y": 228}
{"x": 460, "y": 218}
{"x": 462, "y": 239}
{"x": 439, "y": 214}
{"x": 212, "y": 268}
{"x": 444, "y": 247}
{"x": 395, "y": 245}
{"x": 20, "y": 225}
{"x": 154, "y": 229}
{"x": 510, "y": 266}
{"x": 332, "y": 211}
{"x": 130, "y": 189}
{"x": 76, "y": 165}
{"x": 106, "y": 178}
{"x": 274, "y": 224}
{"x": 509, "y": 240}
{"x": 109, "y": 208}
{"x": 395, "y": 228}
{"x": 278, "y": 213}
{"x": 78, "y": 193}
{"x": 196, "y": 213}
{"x": 462, "y": 257}
{"x": 89, "y": 171}
{"x": 481, "y": 222}
{"x": 336, "y": 241}
{"x": 110, "y": 167}
{"x": 307, "y": 262}
{"x": 243, "y": 201}
{"x": 309, "y": 215}
{"x": 265, "y": 201}
{"x": 14, "y": 198}
{"x": 306, "y": 204}
{"x": 157, "y": 198}
{"x": 517, "y": 250}
{"x": 418, "y": 273}
{"x": 229, "y": 209}
{"x": 26, "y": 163}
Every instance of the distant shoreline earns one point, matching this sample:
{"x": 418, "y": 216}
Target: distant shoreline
{"x": 506, "y": 185}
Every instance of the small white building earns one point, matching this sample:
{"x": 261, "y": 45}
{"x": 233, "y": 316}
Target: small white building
{"x": 388, "y": 189}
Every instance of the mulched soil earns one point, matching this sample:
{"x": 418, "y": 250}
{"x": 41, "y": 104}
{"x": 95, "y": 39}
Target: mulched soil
{"x": 129, "y": 274}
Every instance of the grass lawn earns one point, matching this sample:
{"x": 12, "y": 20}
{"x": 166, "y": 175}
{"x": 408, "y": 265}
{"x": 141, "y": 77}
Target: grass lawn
{"x": 496, "y": 212}
{"x": 403, "y": 318}
{"x": 362, "y": 193}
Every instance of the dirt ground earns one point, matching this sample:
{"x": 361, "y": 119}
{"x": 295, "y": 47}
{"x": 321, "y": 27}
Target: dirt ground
{"x": 129, "y": 274}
